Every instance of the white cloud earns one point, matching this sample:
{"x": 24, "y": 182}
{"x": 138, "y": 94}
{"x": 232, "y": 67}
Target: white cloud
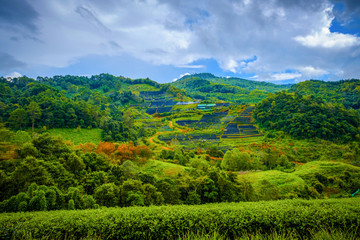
{"x": 230, "y": 65}
{"x": 285, "y": 76}
{"x": 283, "y": 35}
{"x": 181, "y": 75}
{"x": 323, "y": 38}
{"x": 326, "y": 39}
{"x": 310, "y": 71}
{"x": 13, "y": 75}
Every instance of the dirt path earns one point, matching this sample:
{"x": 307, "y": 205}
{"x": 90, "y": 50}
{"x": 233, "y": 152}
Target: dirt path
{"x": 151, "y": 138}
{"x": 166, "y": 148}
{"x": 152, "y": 141}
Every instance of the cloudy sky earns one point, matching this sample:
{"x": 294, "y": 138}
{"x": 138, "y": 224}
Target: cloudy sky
{"x": 273, "y": 40}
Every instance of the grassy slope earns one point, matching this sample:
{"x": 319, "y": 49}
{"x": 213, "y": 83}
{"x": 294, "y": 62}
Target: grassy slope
{"x": 303, "y": 175}
{"x": 325, "y": 168}
{"x": 78, "y": 136}
{"x": 162, "y": 168}
{"x": 287, "y": 183}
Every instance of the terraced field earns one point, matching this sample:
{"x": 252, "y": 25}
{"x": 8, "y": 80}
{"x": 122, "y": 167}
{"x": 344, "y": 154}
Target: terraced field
{"x": 241, "y": 126}
{"x": 202, "y": 126}
{"x": 236, "y": 128}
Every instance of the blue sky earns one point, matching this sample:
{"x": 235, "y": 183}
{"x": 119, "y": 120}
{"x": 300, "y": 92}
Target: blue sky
{"x": 278, "y": 40}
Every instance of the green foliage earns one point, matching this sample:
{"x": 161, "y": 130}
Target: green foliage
{"x": 18, "y": 118}
{"x": 307, "y": 117}
{"x": 77, "y": 102}
{"x": 107, "y": 194}
{"x": 304, "y": 219}
{"x": 193, "y": 198}
{"x": 38, "y": 201}
{"x": 34, "y": 112}
{"x": 206, "y": 86}
{"x": 20, "y": 138}
{"x": 344, "y": 92}
{"x": 78, "y": 136}
{"x": 235, "y": 160}
{"x": 27, "y": 150}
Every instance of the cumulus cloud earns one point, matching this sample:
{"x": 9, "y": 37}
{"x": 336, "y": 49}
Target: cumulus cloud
{"x": 326, "y": 39}
{"x": 283, "y": 35}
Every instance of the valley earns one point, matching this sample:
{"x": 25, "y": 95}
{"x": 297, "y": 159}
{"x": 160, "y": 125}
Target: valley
{"x": 98, "y": 143}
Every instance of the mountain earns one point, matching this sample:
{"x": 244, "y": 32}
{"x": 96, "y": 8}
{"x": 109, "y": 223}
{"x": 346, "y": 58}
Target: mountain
{"x": 207, "y": 86}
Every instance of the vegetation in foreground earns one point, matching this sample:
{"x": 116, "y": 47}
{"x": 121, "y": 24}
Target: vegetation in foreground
{"x": 296, "y": 218}
{"x": 140, "y": 143}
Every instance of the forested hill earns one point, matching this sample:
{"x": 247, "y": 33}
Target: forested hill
{"x": 206, "y": 86}
{"x": 99, "y": 101}
{"x": 239, "y": 82}
{"x": 346, "y": 92}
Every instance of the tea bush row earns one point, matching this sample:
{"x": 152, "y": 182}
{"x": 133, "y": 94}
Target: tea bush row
{"x": 169, "y": 222}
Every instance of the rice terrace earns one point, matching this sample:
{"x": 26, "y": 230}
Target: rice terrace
{"x": 180, "y": 120}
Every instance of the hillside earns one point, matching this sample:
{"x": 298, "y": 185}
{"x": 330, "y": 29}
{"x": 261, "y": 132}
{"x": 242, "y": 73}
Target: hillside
{"x": 209, "y": 87}
{"x": 100, "y": 101}
{"x": 307, "y": 117}
{"x": 161, "y": 146}
{"x": 346, "y": 92}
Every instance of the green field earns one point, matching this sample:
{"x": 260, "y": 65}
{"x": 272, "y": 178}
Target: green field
{"x": 301, "y": 218}
{"x": 78, "y": 136}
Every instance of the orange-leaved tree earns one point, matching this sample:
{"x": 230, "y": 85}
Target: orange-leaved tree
{"x": 87, "y": 147}
{"x": 130, "y": 152}
{"x": 106, "y": 148}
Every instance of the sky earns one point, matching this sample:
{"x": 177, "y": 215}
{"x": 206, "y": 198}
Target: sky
{"x": 280, "y": 41}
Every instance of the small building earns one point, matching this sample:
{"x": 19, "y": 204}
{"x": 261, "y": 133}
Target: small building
{"x": 186, "y": 103}
{"x": 205, "y": 106}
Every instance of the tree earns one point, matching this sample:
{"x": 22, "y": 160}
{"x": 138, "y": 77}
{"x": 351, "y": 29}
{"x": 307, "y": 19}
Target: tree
{"x": 193, "y": 198}
{"x": 131, "y": 193}
{"x": 18, "y": 118}
{"x": 34, "y": 112}
{"x": 151, "y": 195}
{"x": 235, "y": 160}
{"x": 74, "y": 163}
{"x": 30, "y": 170}
{"x": 38, "y": 201}
{"x": 20, "y": 138}
{"x": 107, "y": 194}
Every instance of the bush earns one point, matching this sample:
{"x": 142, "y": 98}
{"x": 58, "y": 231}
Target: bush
{"x": 301, "y": 217}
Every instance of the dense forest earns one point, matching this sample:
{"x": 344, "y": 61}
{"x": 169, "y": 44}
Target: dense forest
{"x": 71, "y": 101}
{"x": 308, "y": 117}
{"x": 46, "y": 173}
{"x": 346, "y": 92}
{"x": 206, "y": 86}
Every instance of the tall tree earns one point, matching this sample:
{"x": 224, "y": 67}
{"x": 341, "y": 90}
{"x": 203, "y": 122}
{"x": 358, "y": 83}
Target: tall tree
{"x": 18, "y": 118}
{"x": 234, "y": 160}
{"x": 34, "y": 112}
